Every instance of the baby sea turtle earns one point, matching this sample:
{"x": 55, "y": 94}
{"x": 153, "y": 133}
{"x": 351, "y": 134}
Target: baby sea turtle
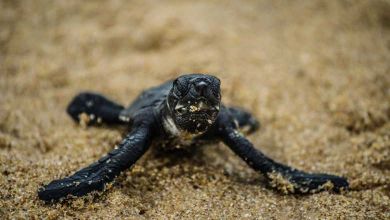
{"x": 182, "y": 112}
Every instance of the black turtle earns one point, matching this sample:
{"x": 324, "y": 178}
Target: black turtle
{"x": 182, "y": 112}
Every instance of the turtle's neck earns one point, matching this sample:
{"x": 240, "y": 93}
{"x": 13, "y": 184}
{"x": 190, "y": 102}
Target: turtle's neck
{"x": 168, "y": 123}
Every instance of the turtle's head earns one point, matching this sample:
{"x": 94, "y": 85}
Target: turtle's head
{"x": 194, "y": 102}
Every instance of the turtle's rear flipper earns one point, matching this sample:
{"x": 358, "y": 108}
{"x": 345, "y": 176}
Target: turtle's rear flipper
{"x": 247, "y": 123}
{"x": 92, "y": 108}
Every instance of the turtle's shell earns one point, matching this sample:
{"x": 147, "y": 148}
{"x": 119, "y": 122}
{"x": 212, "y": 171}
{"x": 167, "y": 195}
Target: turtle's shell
{"x": 150, "y": 97}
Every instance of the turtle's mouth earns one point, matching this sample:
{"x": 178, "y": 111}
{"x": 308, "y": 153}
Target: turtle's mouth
{"x": 195, "y": 116}
{"x": 200, "y": 106}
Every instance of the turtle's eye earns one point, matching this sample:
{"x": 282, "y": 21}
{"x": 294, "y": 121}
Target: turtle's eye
{"x": 180, "y": 87}
{"x": 215, "y": 87}
{"x": 176, "y": 91}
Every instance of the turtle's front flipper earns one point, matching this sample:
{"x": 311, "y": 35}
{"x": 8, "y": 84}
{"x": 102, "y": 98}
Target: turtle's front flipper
{"x": 282, "y": 177}
{"x": 95, "y": 176}
{"x": 96, "y": 108}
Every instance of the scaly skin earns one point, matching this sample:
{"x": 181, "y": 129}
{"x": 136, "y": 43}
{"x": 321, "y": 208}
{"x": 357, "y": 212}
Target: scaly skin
{"x": 185, "y": 111}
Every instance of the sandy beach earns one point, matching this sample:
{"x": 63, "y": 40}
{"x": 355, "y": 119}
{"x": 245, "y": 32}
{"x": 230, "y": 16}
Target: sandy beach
{"x": 315, "y": 73}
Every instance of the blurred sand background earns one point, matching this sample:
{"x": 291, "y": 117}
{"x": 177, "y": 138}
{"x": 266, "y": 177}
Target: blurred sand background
{"x": 316, "y": 73}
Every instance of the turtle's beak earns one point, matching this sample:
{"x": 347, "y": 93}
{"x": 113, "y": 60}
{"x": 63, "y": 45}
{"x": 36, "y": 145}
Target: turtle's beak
{"x": 197, "y": 106}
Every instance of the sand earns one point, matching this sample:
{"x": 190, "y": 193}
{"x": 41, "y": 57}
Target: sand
{"x": 316, "y": 73}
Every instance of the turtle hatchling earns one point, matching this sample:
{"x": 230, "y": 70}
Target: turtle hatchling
{"x": 183, "y": 112}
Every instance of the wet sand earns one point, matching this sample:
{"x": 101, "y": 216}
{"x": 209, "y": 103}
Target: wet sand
{"x": 316, "y": 73}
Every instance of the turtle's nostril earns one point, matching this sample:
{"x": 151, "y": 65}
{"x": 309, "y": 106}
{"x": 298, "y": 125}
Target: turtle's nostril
{"x": 201, "y": 88}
